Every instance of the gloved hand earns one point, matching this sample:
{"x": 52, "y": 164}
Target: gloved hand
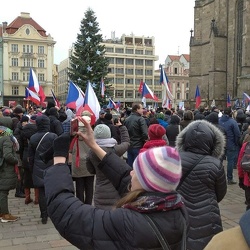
{"x": 241, "y": 184}
{"x": 47, "y": 155}
{"x": 61, "y": 145}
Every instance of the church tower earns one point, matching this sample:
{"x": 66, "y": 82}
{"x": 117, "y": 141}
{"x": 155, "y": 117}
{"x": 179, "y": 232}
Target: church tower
{"x": 220, "y": 50}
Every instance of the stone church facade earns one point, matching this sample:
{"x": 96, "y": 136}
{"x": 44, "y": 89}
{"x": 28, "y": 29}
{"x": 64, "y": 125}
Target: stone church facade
{"x": 220, "y": 50}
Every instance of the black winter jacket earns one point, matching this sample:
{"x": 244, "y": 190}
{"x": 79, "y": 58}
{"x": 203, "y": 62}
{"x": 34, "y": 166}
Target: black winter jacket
{"x": 205, "y": 185}
{"x": 88, "y": 227}
{"x": 36, "y": 165}
{"x": 137, "y": 129}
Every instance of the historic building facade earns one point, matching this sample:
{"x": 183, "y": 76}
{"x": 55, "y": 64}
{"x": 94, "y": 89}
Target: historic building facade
{"x": 220, "y": 50}
{"x": 24, "y": 45}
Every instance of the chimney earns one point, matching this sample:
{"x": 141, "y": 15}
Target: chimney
{"x": 4, "y": 26}
{"x": 25, "y": 15}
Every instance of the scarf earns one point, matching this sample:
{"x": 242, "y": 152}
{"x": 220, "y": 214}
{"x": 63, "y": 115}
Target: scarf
{"x": 153, "y": 203}
{"x": 108, "y": 143}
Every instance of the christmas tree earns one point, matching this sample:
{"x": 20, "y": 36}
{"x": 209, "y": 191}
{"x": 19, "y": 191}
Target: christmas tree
{"x": 88, "y": 62}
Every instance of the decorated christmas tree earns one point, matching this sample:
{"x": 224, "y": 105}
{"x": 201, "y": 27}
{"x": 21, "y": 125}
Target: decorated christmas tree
{"x": 88, "y": 61}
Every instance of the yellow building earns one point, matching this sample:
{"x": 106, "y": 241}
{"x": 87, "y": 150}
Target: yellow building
{"x": 25, "y": 45}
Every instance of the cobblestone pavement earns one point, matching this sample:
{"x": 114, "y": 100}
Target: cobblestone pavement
{"x": 28, "y": 233}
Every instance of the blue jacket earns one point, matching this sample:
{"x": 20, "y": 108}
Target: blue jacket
{"x": 232, "y": 131}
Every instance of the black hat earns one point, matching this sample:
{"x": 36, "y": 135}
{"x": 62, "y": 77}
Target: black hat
{"x": 24, "y": 119}
{"x": 18, "y": 110}
{"x": 53, "y": 111}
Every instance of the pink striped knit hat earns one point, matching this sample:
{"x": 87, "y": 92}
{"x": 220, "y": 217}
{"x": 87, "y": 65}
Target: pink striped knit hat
{"x": 158, "y": 169}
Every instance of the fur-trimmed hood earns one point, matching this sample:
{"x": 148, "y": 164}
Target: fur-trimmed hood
{"x": 201, "y": 137}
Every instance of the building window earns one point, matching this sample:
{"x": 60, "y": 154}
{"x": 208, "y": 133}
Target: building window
{"x": 129, "y": 94}
{"x": 40, "y": 77}
{"x": 14, "y": 62}
{"x": 158, "y": 94}
{"x": 175, "y": 71}
{"x": 27, "y": 31}
{"x": 119, "y": 70}
{"x": 111, "y": 50}
{"x": 187, "y": 85}
{"x": 40, "y": 49}
{"x": 129, "y": 61}
{"x": 138, "y": 62}
{"x": 148, "y": 62}
{"x": 139, "y": 52}
{"x": 187, "y": 96}
{"x": 40, "y": 63}
{"x": 178, "y": 96}
{"x": 27, "y": 48}
{"x": 111, "y": 70}
{"x": 111, "y": 60}
{"x": 129, "y": 81}
{"x": 178, "y": 85}
{"x": 129, "y": 51}
{"x": 119, "y": 93}
{"x": 15, "y": 90}
{"x": 119, "y": 61}
{"x": 129, "y": 71}
{"x": 119, "y": 50}
{"x": 149, "y": 52}
{"x": 148, "y": 72}
{"x": 139, "y": 71}
{"x": 149, "y": 81}
{"x": 14, "y": 48}
{"x": 26, "y": 76}
{"x": 119, "y": 80}
{"x": 28, "y": 62}
{"x": 14, "y": 76}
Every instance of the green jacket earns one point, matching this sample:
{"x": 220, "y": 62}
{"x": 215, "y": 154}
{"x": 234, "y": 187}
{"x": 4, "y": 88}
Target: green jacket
{"x": 8, "y": 177}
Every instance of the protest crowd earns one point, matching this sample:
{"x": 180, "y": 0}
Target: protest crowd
{"x": 136, "y": 178}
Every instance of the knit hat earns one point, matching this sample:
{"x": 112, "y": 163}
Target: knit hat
{"x": 108, "y": 116}
{"x": 6, "y": 112}
{"x": 33, "y": 119}
{"x": 158, "y": 169}
{"x": 18, "y": 110}
{"x": 24, "y": 119}
{"x": 156, "y": 131}
{"x": 85, "y": 115}
{"x": 102, "y": 131}
{"x": 53, "y": 111}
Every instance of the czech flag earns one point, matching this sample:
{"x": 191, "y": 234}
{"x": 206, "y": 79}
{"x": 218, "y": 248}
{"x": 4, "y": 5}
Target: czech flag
{"x": 197, "y": 97}
{"x": 35, "y": 86}
{"x": 165, "y": 82}
{"x": 75, "y": 98}
{"x": 228, "y": 101}
{"x": 111, "y": 104}
{"x": 32, "y": 96}
{"x": 147, "y": 93}
{"x": 91, "y": 103}
{"x": 57, "y": 103}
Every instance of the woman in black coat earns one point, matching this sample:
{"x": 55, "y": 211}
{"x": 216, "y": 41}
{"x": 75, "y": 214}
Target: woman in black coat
{"x": 125, "y": 227}
{"x": 203, "y": 184}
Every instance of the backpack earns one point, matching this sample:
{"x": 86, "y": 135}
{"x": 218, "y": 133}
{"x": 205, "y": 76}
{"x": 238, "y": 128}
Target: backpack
{"x": 245, "y": 160}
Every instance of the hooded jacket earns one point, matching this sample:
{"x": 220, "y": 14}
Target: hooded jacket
{"x": 205, "y": 185}
{"x": 36, "y": 165}
{"x": 88, "y": 227}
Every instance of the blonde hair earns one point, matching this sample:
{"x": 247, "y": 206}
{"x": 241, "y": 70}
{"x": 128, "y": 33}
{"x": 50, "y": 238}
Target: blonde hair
{"x": 129, "y": 198}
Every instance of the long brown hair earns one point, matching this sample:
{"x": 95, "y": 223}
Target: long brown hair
{"x": 129, "y": 197}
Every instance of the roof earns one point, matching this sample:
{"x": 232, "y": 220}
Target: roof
{"x": 187, "y": 57}
{"x": 174, "y": 58}
{"x": 22, "y": 20}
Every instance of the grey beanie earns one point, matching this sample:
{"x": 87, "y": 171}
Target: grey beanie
{"x": 102, "y": 131}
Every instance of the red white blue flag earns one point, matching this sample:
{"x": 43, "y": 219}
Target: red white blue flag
{"x": 35, "y": 86}
{"x": 197, "y": 97}
{"x": 32, "y": 96}
{"x": 111, "y": 104}
{"x": 165, "y": 82}
{"x": 75, "y": 98}
{"x": 57, "y": 103}
{"x": 147, "y": 93}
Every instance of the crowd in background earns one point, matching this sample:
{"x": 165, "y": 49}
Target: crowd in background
{"x": 208, "y": 142}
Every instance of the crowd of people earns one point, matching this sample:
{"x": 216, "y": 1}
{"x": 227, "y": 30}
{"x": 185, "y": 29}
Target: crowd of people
{"x": 128, "y": 176}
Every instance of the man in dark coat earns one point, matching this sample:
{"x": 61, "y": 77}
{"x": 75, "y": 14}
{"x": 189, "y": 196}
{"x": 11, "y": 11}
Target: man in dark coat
{"x": 39, "y": 143}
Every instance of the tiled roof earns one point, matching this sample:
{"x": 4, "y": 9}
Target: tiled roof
{"x": 174, "y": 58}
{"x": 187, "y": 57}
{"x": 20, "y": 21}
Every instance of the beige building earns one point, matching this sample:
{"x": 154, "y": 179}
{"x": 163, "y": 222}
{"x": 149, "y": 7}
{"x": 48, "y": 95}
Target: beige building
{"x": 220, "y": 50}
{"x": 25, "y": 44}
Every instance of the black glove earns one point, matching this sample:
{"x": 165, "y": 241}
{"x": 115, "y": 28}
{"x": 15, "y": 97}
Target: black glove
{"x": 61, "y": 145}
{"x": 241, "y": 184}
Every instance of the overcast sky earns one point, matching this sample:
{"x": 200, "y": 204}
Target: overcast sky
{"x": 169, "y": 21}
